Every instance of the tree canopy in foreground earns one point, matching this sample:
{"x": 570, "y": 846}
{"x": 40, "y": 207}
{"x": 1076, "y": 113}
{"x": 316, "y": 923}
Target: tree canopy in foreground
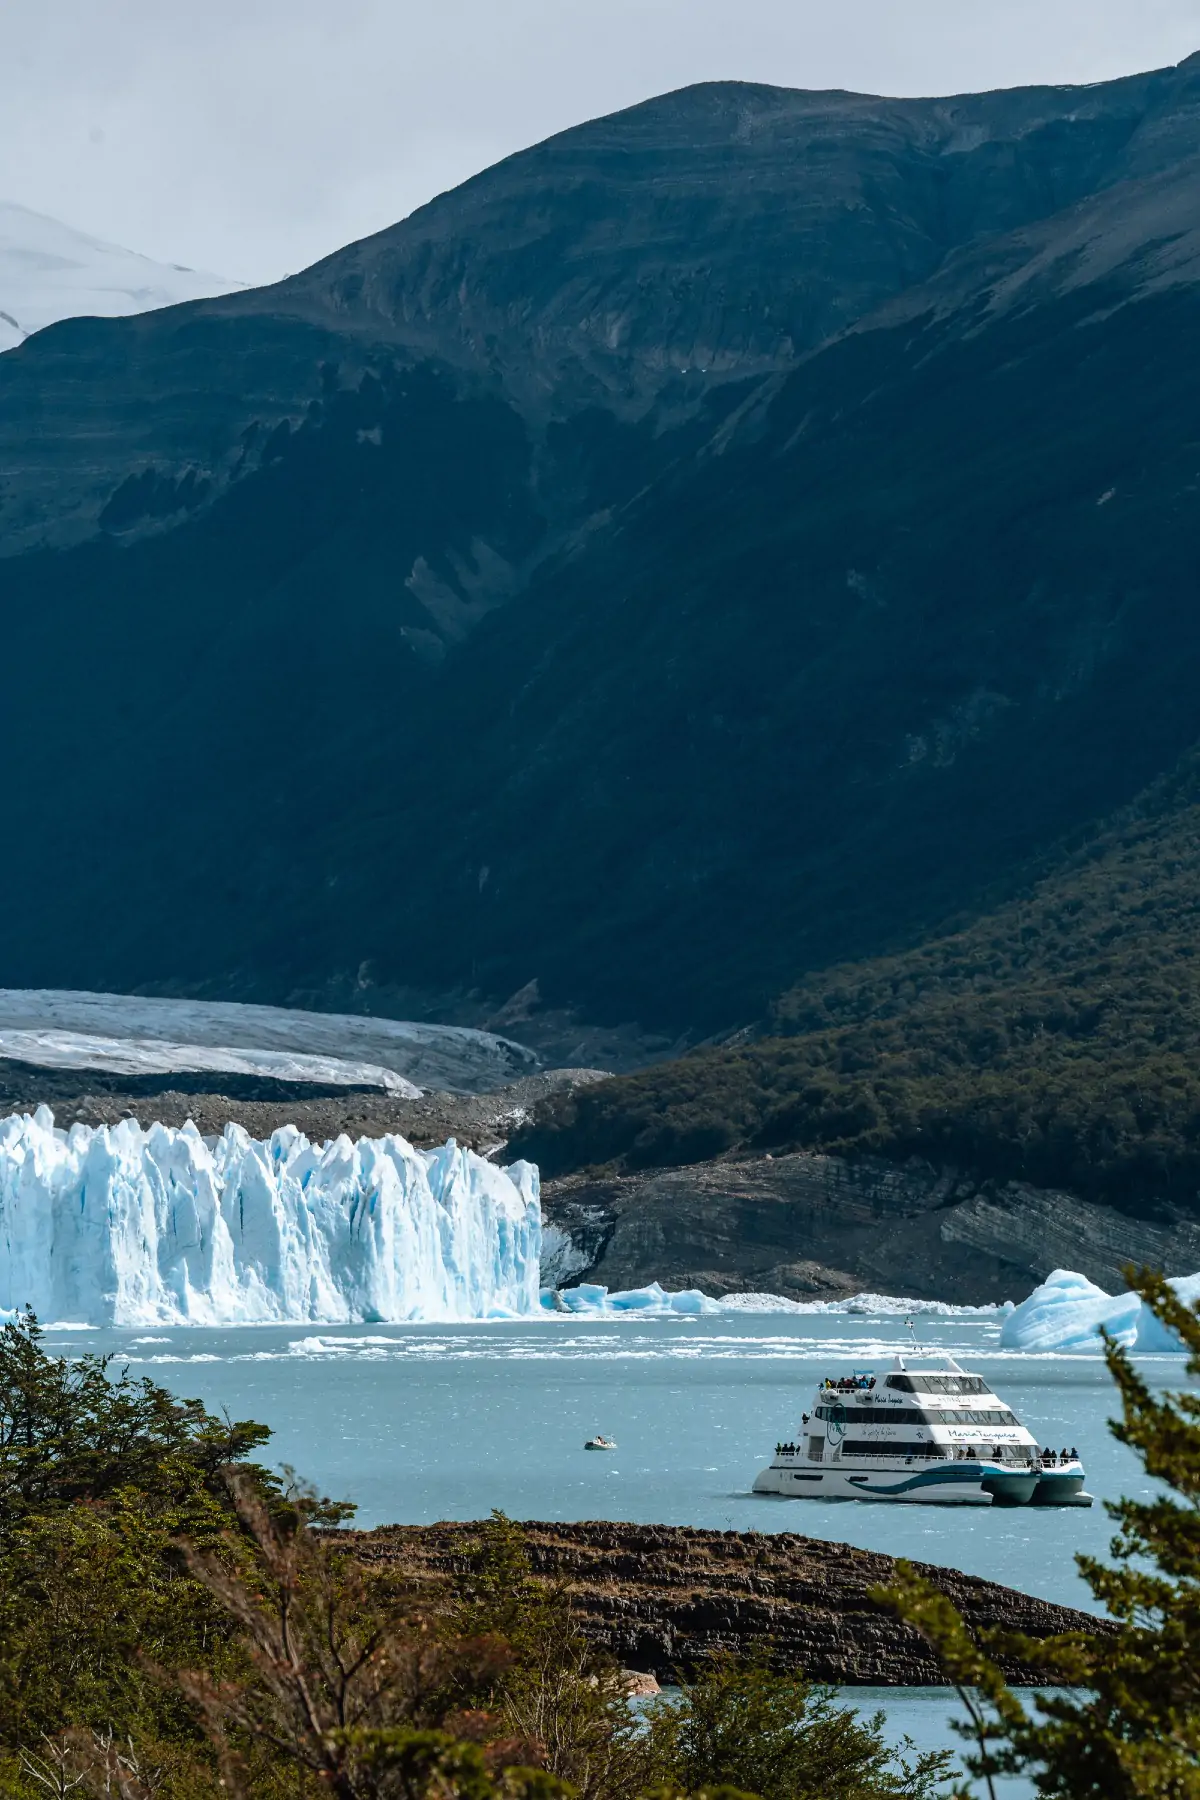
{"x": 172, "y": 1627}
{"x": 1133, "y": 1732}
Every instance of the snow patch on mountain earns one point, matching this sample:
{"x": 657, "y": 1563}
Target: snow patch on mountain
{"x": 48, "y": 271}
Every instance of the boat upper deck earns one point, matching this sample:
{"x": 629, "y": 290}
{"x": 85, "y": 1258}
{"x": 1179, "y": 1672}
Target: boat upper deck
{"x": 934, "y": 1409}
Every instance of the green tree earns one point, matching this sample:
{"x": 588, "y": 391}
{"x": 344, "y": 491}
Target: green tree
{"x": 350, "y": 1685}
{"x": 71, "y": 1431}
{"x": 101, "y": 1477}
{"x": 742, "y": 1725}
{"x": 1131, "y": 1731}
{"x": 557, "y": 1689}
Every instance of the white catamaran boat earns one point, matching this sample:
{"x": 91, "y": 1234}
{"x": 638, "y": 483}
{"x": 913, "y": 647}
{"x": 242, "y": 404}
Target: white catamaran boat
{"x": 928, "y": 1431}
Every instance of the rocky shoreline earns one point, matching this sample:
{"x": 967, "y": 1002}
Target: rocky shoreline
{"x": 660, "y": 1597}
{"x": 816, "y": 1227}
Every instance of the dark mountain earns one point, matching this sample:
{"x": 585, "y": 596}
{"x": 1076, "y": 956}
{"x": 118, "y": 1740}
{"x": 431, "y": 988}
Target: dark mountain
{"x": 728, "y": 539}
{"x": 725, "y": 229}
{"x": 1054, "y": 1041}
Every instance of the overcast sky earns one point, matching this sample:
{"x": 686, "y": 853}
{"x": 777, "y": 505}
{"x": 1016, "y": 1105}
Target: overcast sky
{"x": 252, "y": 136}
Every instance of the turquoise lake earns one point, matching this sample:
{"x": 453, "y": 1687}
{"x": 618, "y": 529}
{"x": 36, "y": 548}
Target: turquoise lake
{"x": 422, "y": 1422}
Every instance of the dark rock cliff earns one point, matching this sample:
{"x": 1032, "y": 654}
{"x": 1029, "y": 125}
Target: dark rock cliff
{"x": 815, "y": 1227}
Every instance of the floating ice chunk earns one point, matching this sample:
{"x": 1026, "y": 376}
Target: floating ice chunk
{"x": 587, "y": 1297}
{"x": 125, "y": 1227}
{"x": 865, "y": 1304}
{"x": 1151, "y": 1334}
{"x": 645, "y": 1299}
{"x": 653, "y": 1301}
{"x": 1068, "y": 1312}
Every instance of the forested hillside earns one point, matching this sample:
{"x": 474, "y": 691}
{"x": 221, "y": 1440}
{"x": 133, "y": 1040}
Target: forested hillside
{"x": 1056, "y": 1041}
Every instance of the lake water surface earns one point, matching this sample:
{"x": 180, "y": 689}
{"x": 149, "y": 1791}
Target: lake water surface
{"x": 421, "y": 1422}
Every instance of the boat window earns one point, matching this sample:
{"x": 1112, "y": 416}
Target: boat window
{"x": 961, "y": 1415}
{"x": 950, "y": 1415}
{"x": 866, "y": 1415}
{"x": 938, "y": 1384}
{"x": 878, "y": 1447}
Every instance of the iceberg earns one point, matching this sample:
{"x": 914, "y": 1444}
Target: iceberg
{"x": 120, "y": 1226}
{"x": 865, "y": 1305}
{"x": 653, "y": 1301}
{"x": 1068, "y": 1312}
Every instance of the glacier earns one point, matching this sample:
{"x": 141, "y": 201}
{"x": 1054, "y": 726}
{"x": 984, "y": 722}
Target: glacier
{"x": 159, "y": 1056}
{"x": 120, "y": 1226}
{"x": 1067, "y": 1313}
{"x": 137, "y": 1034}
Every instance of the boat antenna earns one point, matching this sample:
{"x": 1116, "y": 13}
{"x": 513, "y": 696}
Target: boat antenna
{"x": 912, "y": 1329}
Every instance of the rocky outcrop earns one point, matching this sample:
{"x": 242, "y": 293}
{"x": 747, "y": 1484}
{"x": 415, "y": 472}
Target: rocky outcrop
{"x": 662, "y": 1597}
{"x": 481, "y": 1122}
{"x": 820, "y": 1227}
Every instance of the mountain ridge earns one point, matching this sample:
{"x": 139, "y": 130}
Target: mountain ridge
{"x": 888, "y": 194}
{"x": 885, "y": 622}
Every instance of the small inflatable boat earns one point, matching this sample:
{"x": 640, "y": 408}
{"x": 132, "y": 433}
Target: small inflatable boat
{"x": 600, "y": 1442}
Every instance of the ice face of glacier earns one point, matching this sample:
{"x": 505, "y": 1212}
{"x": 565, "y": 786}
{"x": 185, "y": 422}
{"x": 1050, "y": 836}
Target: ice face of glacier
{"x": 1067, "y": 1313}
{"x": 129, "y": 1227}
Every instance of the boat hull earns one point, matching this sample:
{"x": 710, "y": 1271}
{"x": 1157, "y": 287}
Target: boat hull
{"x": 944, "y": 1484}
{"x": 1061, "y": 1490}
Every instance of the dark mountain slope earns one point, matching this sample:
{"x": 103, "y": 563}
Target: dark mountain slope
{"x": 939, "y": 609}
{"x": 1056, "y": 1041}
{"x": 728, "y": 226}
{"x": 661, "y": 688}
{"x": 723, "y": 229}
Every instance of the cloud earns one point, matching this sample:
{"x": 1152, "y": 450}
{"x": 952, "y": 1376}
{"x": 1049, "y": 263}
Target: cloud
{"x": 253, "y": 136}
